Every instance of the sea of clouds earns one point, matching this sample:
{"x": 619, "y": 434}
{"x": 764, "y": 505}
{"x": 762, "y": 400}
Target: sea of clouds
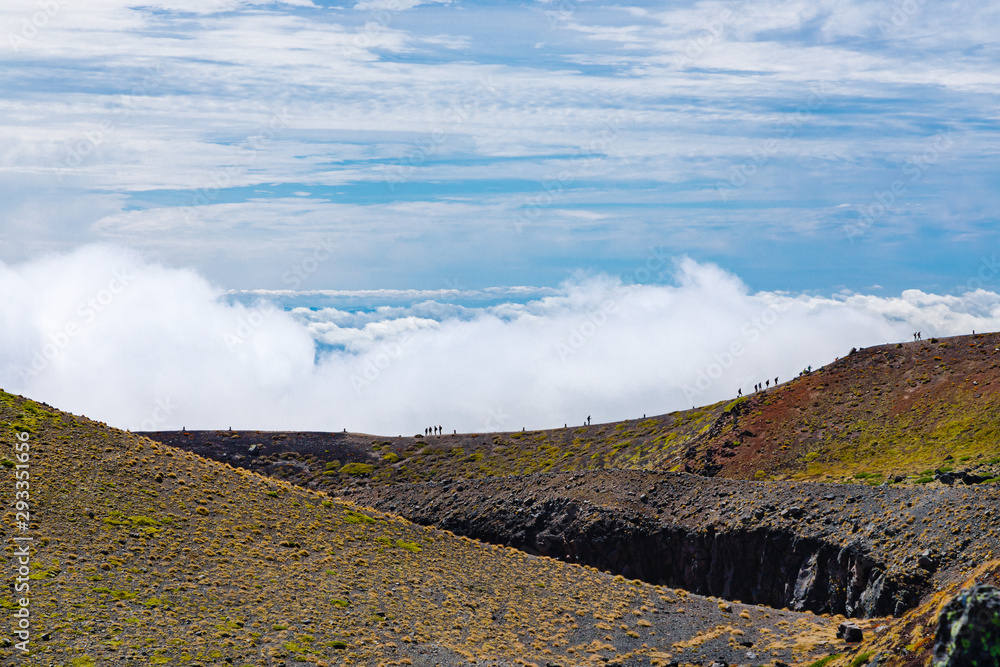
{"x": 104, "y": 332}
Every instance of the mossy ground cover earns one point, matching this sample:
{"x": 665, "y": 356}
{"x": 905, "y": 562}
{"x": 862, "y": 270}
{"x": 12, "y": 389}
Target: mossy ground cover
{"x": 145, "y": 554}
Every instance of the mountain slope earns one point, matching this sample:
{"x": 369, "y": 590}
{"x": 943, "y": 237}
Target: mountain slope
{"x": 892, "y": 410}
{"x": 145, "y": 554}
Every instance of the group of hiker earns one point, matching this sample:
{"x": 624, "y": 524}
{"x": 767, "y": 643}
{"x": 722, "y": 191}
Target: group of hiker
{"x": 917, "y": 336}
{"x": 433, "y": 430}
{"x": 760, "y": 386}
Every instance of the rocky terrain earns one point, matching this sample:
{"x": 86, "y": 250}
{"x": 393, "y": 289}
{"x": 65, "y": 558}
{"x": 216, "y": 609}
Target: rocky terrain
{"x": 854, "y": 550}
{"x": 144, "y": 554}
{"x": 828, "y": 520}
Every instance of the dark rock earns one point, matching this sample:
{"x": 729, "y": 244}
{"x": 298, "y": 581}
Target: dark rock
{"x": 969, "y": 629}
{"x": 926, "y": 560}
{"x": 850, "y": 632}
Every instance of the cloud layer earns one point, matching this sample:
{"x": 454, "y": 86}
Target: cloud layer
{"x": 103, "y": 332}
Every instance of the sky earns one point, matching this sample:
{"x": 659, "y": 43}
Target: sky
{"x": 457, "y": 187}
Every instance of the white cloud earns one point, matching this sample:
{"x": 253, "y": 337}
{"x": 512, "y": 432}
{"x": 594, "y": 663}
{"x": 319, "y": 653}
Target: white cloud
{"x": 396, "y": 5}
{"x": 102, "y": 331}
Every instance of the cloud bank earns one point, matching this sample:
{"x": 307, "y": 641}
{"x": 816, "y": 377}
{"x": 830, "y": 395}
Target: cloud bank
{"x": 103, "y": 332}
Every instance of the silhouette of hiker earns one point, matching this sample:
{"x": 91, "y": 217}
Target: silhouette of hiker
{"x": 739, "y": 392}
{"x": 440, "y": 430}
{"x": 775, "y": 381}
{"x": 588, "y": 420}
{"x": 768, "y": 383}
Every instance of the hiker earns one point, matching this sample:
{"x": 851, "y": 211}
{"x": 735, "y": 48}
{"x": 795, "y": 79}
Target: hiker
{"x": 440, "y": 430}
{"x": 588, "y": 420}
{"x": 739, "y": 392}
{"x": 768, "y": 383}
{"x": 776, "y": 381}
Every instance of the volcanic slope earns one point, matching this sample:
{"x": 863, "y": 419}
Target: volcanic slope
{"x": 145, "y": 554}
{"x": 902, "y": 413}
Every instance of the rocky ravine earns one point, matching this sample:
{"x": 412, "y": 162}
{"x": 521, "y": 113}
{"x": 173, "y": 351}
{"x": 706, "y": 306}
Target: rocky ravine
{"x": 851, "y": 549}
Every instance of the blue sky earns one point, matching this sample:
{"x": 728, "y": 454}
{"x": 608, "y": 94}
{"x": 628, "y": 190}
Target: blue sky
{"x": 488, "y": 144}
{"x": 375, "y": 214}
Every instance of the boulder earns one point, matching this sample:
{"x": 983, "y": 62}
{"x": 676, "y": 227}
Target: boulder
{"x": 927, "y": 560}
{"x": 969, "y": 629}
{"x": 850, "y": 632}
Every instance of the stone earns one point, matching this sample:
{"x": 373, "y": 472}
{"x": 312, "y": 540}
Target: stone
{"x": 850, "y": 632}
{"x": 926, "y": 560}
{"x": 969, "y": 629}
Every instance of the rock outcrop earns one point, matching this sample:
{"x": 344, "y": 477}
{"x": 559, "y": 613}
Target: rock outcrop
{"x": 969, "y": 630}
